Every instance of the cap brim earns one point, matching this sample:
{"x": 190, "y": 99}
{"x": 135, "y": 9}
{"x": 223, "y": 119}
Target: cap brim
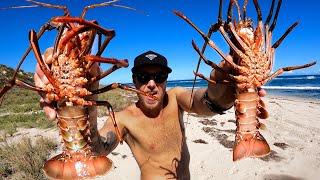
{"x": 134, "y": 69}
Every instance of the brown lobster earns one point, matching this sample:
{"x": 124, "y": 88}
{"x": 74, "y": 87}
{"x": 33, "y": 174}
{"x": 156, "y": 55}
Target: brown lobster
{"x": 252, "y": 55}
{"x": 68, "y": 88}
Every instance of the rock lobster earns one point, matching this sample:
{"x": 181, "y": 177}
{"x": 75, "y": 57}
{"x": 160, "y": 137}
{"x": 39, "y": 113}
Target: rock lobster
{"x": 252, "y": 55}
{"x": 68, "y": 88}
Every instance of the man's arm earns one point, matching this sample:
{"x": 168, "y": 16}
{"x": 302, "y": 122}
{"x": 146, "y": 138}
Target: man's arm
{"x": 222, "y": 95}
{"x": 108, "y": 137}
{"x": 218, "y": 93}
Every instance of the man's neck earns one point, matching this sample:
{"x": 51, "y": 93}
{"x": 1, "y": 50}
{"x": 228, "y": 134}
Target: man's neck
{"x": 151, "y": 113}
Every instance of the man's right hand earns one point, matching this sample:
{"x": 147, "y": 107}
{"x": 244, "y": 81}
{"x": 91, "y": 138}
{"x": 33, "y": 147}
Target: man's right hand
{"x": 41, "y": 80}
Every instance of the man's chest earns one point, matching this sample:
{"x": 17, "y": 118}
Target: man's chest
{"x": 159, "y": 135}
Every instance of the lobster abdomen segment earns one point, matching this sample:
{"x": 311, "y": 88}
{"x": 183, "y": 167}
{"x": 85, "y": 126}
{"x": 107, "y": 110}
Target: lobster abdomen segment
{"x": 248, "y": 141}
{"x": 77, "y": 161}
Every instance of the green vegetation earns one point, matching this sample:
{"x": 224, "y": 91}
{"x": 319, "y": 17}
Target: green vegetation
{"x": 19, "y": 100}
{"x": 6, "y": 73}
{"x": 10, "y": 122}
{"x": 118, "y": 98}
{"x": 20, "y": 108}
{"x": 25, "y": 159}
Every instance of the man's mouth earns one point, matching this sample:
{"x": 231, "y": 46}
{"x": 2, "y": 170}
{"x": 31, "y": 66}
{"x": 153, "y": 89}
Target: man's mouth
{"x": 152, "y": 96}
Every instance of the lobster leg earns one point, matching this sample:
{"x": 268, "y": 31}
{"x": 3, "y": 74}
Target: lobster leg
{"x": 241, "y": 43}
{"x": 213, "y": 28}
{"x": 278, "y": 42}
{"x": 75, "y": 31}
{"x": 104, "y": 74}
{"x": 290, "y": 68}
{"x": 210, "y": 42}
{"x": 111, "y": 113}
{"x": 60, "y": 32}
{"x": 44, "y": 67}
{"x": 275, "y": 16}
{"x": 80, "y": 21}
{"x": 121, "y": 86}
{"x": 26, "y": 85}
{"x": 210, "y": 63}
{"x": 104, "y": 44}
{"x": 101, "y": 48}
{"x": 232, "y": 46}
{"x": 19, "y": 83}
{"x": 229, "y": 17}
{"x": 212, "y": 81}
{"x": 12, "y": 82}
{"x": 120, "y": 63}
{"x": 270, "y": 14}
{"x": 117, "y": 64}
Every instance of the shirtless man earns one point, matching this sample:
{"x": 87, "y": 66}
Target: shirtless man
{"x": 154, "y": 129}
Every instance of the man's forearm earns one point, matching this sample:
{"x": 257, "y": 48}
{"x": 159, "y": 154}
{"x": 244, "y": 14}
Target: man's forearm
{"x": 212, "y": 100}
{"x": 109, "y": 141}
{"x": 222, "y": 94}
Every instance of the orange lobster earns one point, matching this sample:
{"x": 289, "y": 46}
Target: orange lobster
{"x": 69, "y": 80}
{"x": 252, "y": 55}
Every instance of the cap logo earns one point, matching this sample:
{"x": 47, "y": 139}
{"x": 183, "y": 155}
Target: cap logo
{"x": 151, "y": 56}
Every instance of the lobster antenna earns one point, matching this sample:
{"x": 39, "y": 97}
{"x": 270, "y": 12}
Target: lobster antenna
{"x": 244, "y": 9}
{"x": 19, "y": 7}
{"x": 238, "y": 8}
{"x": 212, "y": 29}
{"x": 109, "y": 3}
{"x": 47, "y": 5}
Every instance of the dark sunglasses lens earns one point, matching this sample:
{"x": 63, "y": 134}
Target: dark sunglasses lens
{"x": 160, "y": 78}
{"x": 143, "y": 78}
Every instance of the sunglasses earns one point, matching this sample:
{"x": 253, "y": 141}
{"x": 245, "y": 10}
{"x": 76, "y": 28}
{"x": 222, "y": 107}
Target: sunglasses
{"x": 144, "y": 78}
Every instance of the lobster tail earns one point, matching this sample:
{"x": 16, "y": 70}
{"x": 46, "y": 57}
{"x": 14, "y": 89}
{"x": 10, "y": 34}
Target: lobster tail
{"x": 77, "y": 161}
{"x": 248, "y": 142}
{"x": 76, "y": 166}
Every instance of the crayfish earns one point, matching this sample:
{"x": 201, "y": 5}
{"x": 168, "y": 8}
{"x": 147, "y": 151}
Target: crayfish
{"x": 68, "y": 88}
{"x": 252, "y": 55}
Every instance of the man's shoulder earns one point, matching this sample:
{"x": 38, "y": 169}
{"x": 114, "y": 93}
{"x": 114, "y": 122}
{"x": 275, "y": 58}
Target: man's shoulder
{"x": 127, "y": 113}
{"x": 176, "y": 90}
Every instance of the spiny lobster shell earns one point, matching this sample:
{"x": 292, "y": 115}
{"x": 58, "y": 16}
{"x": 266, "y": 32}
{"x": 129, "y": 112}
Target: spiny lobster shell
{"x": 252, "y": 59}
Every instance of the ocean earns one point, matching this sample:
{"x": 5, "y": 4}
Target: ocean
{"x": 305, "y": 86}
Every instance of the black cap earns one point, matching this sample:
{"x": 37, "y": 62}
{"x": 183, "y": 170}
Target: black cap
{"x": 150, "y": 58}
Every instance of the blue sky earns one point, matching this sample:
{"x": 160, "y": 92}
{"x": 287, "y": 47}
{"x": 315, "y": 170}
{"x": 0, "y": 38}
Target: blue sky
{"x": 162, "y": 31}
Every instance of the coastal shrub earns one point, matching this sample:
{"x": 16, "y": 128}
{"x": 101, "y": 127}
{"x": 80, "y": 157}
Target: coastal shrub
{"x": 10, "y": 122}
{"x": 20, "y": 101}
{"x": 118, "y": 98}
{"x": 25, "y": 159}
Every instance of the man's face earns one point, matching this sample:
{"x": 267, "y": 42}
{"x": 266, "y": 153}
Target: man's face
{"x": 152, "y": 80}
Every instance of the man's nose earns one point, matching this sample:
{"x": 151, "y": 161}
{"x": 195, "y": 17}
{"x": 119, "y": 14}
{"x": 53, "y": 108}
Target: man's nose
{"x": 151, "y": 84}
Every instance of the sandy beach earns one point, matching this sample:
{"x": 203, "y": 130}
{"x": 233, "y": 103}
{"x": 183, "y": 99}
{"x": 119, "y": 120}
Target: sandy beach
{"x": 292, "y": 131}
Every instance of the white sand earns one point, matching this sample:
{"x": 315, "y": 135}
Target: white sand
{"x": 293, "y": 133}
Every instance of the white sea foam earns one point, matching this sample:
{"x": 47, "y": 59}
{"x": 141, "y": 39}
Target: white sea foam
{"x": 277, "y": 87}
{"x": 292, "y": 87}
{"x": 296, "y": 78}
